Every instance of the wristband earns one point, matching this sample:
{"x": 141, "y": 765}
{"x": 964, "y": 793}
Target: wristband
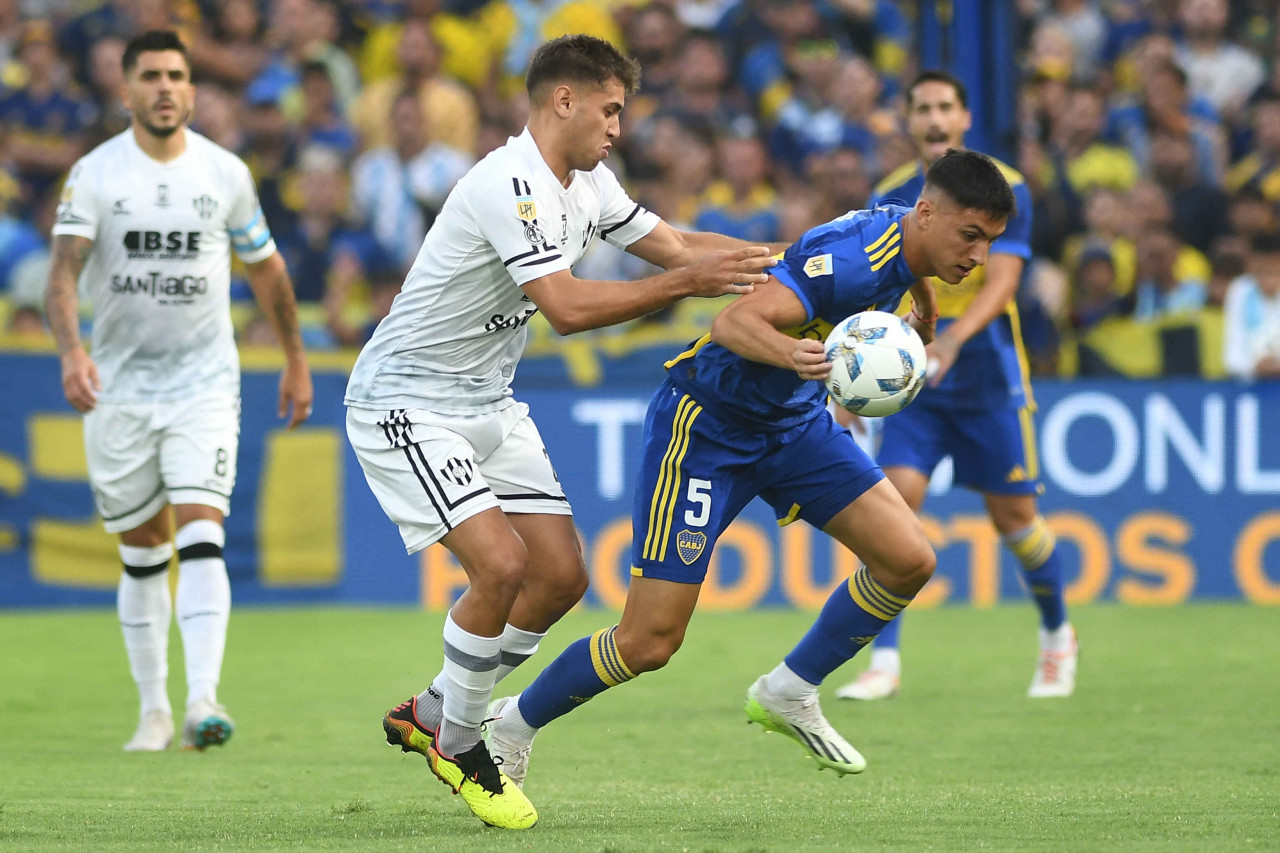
{"x": 916, "y": 314}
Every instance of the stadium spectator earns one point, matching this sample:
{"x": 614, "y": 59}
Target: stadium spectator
{"x": 878, "y": 29}
{"x": 1094, "y": 294}
{"x": 1148, "y": 206}
{"x": 1250, "y": 213}
{"x": 465, "y": 49}
{"x": 795, "y": 38}
{"x": 398, "y": 190}
{"x": 271, "y": 154}
{"x": 1086, "y": 27}
{"x": 45, "y": 120}
{"x": 1251, "y": 319}
{"x": 324, "y": 252}
{"x": 106, "y": 78}
{"x": 839, "y": 181}
{"x": 217, "y": 115}
{"x": 1260, "y": 167}
{"x": 1197, "y": 203}
{"x": 1164, "y": 104}
{"x": 449, "y": 111}
{"x": 229, "y": 48}
{"x": 322, "y": 122}
{"x": 835, "y": 103}
{"x": 383, "y": 288}
{"x": 741, "y": 203}
{"x": 1160, "y": 291}
{"x": 515, "y": 28}
{"x": 703, "y": 87}
{"x": 1223, "y": 72}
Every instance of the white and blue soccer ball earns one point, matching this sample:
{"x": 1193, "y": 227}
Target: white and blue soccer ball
{"x": 877, "y": 363}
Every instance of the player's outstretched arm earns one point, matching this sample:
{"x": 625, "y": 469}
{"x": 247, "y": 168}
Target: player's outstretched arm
{"x": 670, "y": 248}
{"x": 751, "y": 328}
{"x": 269, "y": 280}
{"x": 575, "y": 305}
{"x": 1003, "y": 274}
{"x": 62, "y": 307}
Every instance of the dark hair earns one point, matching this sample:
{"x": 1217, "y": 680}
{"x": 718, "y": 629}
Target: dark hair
{"x": 579, "y": 59}
{"x": 935, "y": 75}
{"x": 152, "y": 41}
{"x": 1265, "y": 243}
{"x": 973, "y": 181}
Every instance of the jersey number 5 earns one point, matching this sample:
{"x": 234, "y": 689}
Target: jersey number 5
{"x": 700, "y": 497}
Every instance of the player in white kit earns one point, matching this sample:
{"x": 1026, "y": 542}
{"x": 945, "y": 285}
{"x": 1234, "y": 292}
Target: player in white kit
{"x": 448, "y": 452}
{"x": 147, "y": 223}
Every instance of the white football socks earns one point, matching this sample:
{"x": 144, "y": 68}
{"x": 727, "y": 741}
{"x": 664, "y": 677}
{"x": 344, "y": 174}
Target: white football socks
{"x": 203, "y": 607}
{"x": 145, "y": 610}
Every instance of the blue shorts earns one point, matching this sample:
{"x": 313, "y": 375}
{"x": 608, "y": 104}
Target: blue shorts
{"x": 993, "y": 450}
{"x": 698, "y": 473}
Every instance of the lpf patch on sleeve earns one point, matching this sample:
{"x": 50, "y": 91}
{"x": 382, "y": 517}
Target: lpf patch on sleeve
{"x": 526, "y": 208}
{"x": 818, "y": 265}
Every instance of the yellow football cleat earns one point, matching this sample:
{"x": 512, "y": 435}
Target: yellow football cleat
{"x": 403, "y": 729}
{"x": 487, "y": 791}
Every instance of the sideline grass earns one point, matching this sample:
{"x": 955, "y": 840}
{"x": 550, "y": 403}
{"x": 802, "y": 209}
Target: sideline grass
{"x": 1171, "y": 742}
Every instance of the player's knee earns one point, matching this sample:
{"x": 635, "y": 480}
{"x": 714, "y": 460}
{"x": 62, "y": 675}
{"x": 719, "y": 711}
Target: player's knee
{"x": 571, "y": 586}
{"x": 912, "y": 566}
{"x": 648, "y": 651}
{"x": 503, "y": 571}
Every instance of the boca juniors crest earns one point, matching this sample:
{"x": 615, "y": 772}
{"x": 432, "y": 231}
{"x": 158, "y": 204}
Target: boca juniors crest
{"x": 689, "y": 545}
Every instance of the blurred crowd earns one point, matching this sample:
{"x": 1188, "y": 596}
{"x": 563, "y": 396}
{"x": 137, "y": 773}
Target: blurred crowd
{"x": 1148, "y": 132}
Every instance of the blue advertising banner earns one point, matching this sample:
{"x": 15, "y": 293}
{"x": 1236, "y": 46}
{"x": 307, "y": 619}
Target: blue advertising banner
{"x": 1160, "y": 492}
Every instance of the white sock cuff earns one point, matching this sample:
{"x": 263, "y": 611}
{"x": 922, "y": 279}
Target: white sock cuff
{"x": 143, "y": 558}
{"x": 519, "y": 641}
{"x": 198, "y": 531}
{"x": 472, "y": 644}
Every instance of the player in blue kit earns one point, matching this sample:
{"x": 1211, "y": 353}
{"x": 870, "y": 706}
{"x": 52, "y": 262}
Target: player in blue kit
{"x": 977, "y": 405}
{"x": 742, "y": 414}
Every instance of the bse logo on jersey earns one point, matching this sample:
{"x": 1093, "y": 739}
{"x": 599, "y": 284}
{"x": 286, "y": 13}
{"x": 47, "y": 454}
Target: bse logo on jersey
{"x": 158, "y": 246}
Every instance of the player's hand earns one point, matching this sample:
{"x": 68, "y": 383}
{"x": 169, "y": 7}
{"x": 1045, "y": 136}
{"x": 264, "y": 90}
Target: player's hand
{"x": 942, "y": 354}
{"x": 80, "y": 380}
{"x": 295, "y": 391}
{"x": 731, "y": 271}
{"x": 809, "y": 359}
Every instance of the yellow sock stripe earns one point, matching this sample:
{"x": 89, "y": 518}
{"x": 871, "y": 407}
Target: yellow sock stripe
{"x": 878, "y": 264}
{"x": 887, "y": 246}
{"x": 880, "y": 595}
{"x": 675, "y": 486}
{"x": 889, "y": 232}
{"x": 1034, "y": 545}
{"x": 659, "y": 489}
{"x": 611, "y": 653}
{"x": 604, "y": 671}
{"x": 872, "y": 597}
{"x": 1027, "y": 421}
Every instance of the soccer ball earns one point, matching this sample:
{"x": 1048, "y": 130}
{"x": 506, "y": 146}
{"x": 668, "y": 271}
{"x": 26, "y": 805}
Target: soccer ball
{"x": 877, "y": 364}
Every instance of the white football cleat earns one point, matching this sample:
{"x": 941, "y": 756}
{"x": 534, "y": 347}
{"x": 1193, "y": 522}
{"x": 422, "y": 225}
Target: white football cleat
{"x": 871, "y": 684}
{"x": 802, "y": 721}
{"x": 154, "y": 734}
{"x": 1056, "y": 668}
{"x": 207, "y": 724}
{"x": 510, "y": 753}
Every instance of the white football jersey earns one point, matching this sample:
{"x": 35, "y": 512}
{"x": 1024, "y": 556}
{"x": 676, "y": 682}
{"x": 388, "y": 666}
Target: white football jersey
{"x": 159, "y": 274}
{"x": 457, "y": 330}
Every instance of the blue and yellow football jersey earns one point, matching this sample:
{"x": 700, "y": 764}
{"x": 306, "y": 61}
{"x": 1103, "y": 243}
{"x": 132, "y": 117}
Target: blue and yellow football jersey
{"x": 991, "y": 370}
{"x": 848, "y": 265}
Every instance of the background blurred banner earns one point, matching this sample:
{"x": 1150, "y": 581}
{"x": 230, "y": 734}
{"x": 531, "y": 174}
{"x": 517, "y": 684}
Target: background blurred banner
{"x": 1161, "y": 492}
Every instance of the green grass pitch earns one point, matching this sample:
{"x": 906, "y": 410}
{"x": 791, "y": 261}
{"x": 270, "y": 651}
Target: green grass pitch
{"x": 1172, "y": 741}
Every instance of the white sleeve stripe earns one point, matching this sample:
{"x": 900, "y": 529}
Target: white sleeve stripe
{"x": 255, "y": 238}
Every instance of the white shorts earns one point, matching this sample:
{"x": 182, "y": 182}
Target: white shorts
{"x": 144, "y": 455}
{"x": 431, "y": 472}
